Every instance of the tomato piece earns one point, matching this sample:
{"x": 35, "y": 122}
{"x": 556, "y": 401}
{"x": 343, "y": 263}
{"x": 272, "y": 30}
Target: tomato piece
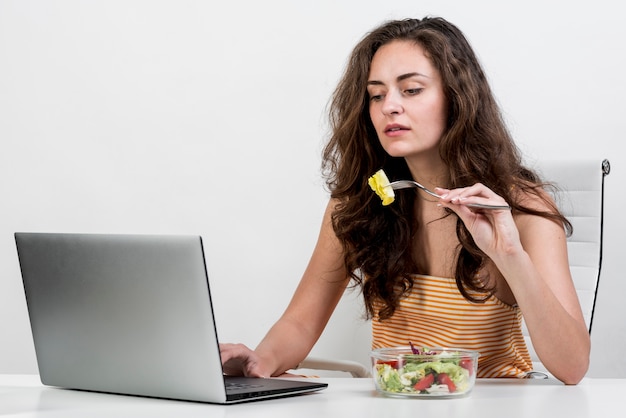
{"x": 444, "y": 379}
{"x": 392, "y": 363}
{"x": 425, "y": 382}
{"x": 468, "y": 365}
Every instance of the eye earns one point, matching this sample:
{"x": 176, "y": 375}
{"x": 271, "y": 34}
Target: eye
{"x": 376, "y": 94}
{"x": 414, "y": 91}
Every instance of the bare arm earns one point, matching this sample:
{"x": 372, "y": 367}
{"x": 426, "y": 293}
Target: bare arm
{"x": 291, "y": 338}
{"x": 531, "y": 254}
{"x": 541, "y": 281}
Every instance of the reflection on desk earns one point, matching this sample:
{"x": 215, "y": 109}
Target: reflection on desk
{"x": 24, "y": 394}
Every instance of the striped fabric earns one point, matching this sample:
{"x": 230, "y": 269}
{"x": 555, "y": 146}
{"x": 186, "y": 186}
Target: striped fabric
{"x": 435, "y": 314}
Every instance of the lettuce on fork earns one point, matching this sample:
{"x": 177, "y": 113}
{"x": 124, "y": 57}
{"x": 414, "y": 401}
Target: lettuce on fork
{"x": 380, "y": 184}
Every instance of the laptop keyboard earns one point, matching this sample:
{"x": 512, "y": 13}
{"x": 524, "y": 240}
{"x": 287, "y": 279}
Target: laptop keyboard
{"x": 240, "y": 386}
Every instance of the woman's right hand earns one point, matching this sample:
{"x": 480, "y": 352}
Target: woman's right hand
{"x": 291, "y": 338}
{"x": 239, "y": 360}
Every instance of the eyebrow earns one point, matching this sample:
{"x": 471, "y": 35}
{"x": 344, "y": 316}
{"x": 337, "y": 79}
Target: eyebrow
{"x": 399, "y": 78}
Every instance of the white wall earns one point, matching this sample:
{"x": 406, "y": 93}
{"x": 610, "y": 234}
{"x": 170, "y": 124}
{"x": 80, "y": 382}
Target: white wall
{"x": 144, "y": 116}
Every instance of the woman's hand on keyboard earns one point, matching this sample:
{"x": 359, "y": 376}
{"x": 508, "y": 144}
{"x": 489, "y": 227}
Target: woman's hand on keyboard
{"x": 239, "y": 360}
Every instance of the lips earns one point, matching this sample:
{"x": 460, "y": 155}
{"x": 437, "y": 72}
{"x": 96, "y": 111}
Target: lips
{"x": 395, "y": 128}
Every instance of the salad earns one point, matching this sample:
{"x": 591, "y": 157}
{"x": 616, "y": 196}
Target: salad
{"x": 425, "y": 372}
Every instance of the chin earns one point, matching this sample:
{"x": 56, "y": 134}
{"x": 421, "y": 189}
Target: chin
{"x": 400, "y": 153}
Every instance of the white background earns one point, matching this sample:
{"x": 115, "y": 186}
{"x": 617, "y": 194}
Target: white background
{"x": 208, "y": 118}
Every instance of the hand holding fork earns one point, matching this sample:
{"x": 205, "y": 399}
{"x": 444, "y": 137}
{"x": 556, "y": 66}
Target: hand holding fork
{"x": 407, "y": 184}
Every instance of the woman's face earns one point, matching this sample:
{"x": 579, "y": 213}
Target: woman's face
{"x": 407, "y": 104}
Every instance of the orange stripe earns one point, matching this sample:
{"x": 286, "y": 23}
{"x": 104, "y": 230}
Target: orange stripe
{"x": 436, "y": 314}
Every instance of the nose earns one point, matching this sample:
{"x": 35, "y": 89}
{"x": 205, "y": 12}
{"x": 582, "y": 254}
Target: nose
{"x": 391, "y": 104}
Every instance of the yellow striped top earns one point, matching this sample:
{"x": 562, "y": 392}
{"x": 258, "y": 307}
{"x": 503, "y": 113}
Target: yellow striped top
{"x": 435, "y": 314}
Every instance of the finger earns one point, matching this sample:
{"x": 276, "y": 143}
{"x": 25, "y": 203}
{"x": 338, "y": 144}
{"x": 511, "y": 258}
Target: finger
{"x": 231, "y": 351}
{"x": 462, "y": 211}
{"x": 477, "y": 194}
{"x": 255, "y": 370}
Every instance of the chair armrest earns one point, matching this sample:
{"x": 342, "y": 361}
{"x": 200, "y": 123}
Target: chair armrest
{"x": 356, "y": 369}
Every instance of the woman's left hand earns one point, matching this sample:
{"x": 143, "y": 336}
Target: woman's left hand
{"x": 493, "y": 230}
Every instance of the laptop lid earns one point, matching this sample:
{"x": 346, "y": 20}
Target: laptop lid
{"x": 128, "y": 314}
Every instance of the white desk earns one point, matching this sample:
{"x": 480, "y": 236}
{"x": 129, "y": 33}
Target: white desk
{"x": 24, "y": 396}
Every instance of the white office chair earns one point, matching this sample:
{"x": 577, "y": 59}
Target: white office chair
{"x": 580, "y": 196}
{"x": 581, "y": 199}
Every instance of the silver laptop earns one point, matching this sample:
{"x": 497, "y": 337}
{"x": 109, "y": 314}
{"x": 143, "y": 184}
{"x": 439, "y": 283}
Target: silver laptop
{"x": 130, "y": 314}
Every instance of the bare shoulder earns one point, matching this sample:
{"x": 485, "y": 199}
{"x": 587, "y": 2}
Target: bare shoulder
{"x": 535, "y": 197}
{"x": 536, "y": 229}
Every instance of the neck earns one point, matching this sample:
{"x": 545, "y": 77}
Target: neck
{"x": 428, "y": 170}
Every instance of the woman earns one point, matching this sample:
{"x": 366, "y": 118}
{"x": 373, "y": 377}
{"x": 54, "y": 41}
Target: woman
{"x": 415, "y": 102}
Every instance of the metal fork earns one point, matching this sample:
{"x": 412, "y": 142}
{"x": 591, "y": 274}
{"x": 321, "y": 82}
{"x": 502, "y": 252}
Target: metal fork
{"x": 408, "y": 184}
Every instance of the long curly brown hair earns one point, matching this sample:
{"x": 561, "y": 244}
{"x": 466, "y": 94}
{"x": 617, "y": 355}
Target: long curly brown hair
{"x": 476, "y": 147}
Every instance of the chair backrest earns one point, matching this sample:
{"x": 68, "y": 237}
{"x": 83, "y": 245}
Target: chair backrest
{"x": 580, "y": 196}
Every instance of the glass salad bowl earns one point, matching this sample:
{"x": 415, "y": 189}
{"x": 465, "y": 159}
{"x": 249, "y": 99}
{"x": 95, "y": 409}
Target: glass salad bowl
{"x": 424, "y": 372}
